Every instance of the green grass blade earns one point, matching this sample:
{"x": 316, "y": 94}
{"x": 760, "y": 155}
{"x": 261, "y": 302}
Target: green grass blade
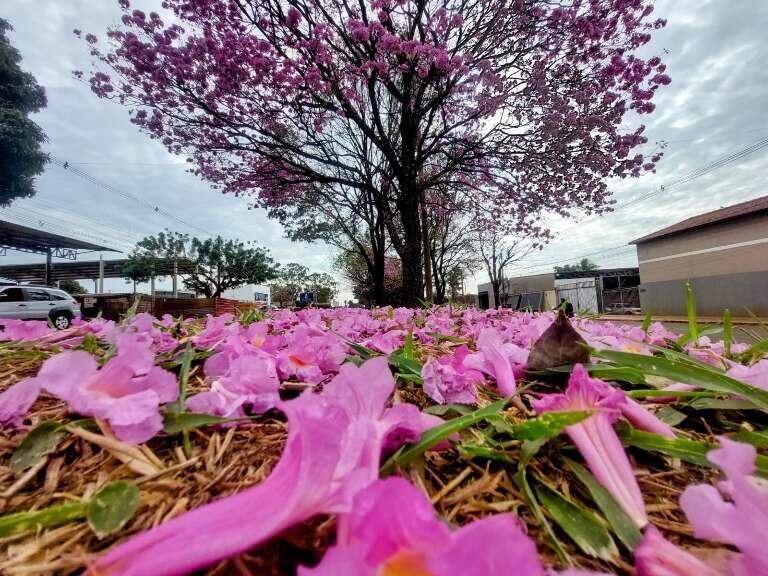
{"x": 727, "y": 332}
{"x": 676, "y": 371}
{"x": 581, "y": 525}
{"x": 647, "y": 320}
{"x": 521, "y": 479}
{"x": 408, "y": 351}
{"x": 692, "y": 451}
{"x": 438, "y": 434}
{"x": 621, "y": 524}
{"x": 690, "y": 305}
{"x": 24, "y": 522}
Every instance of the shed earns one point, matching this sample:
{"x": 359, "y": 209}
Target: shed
{"x": 724, "y": 253}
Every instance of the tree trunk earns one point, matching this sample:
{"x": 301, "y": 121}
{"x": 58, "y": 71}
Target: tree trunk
{"x": 427, "y": 255}
{"x": 413, "y": 283}
{"x": 379, "y": 294}
{"x": 496, "y": 296}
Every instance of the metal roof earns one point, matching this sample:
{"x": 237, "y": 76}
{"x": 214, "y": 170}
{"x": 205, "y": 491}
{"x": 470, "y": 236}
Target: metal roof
{"x": 721, "y": 215}
{"x": 597, "y": 273}
{"x": 35, "y": 273}
{"x": 17, "y": 237}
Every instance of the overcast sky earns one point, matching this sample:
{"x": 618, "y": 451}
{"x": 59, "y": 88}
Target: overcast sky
{"x": 716, "y": 105}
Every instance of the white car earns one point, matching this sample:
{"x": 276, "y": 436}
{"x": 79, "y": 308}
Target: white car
{"x": 38, "y": 303}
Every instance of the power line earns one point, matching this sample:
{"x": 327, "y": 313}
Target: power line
{"x": 691, "y": 176}
{"x": 126, "y": 195}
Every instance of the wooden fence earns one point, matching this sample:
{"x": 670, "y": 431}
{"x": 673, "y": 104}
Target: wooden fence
{"x": 113, "y": 306}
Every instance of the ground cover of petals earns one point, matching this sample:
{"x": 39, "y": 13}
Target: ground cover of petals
{"x": 386, "y": 441}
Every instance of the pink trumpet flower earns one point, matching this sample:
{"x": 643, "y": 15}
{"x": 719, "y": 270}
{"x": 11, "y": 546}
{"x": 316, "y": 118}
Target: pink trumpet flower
{"x": 23, "y": 329}
{"x": 500, "y": 360}
{"x": 742, "y": 520}
{"x": 657, "y": 556}
{"x": 596, "y": 439}
{"x": 333, "y": 451}
{"x": 126, "y": 392}
{"x": 392, "y": 530}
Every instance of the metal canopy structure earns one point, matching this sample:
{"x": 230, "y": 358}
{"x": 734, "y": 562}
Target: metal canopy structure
{"x": 25, "y": 239}
{"x": 92, "y": 269}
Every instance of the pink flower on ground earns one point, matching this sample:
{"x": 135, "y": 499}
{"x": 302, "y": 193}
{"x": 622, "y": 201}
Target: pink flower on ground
{"x": 248, "y": 380}
{"x": 757, "y": 374}
{"x": 23, "y": 329}
{"x": 217, "y": 328}
{"x": 126, "y": 392}
{"x": 742, "y": 520}
{"x": 333, "y": 451}
{"x": 385, "y": 343}
{"x": 16, "y": 401}
{"x": 447, "y": 380}
{"x": 299, "y": 360}
{"x": 596, "y": 439}
{"x": 392, "y": 529}
{"x": 657, "y": 556}
{"x": 502, "y": 361}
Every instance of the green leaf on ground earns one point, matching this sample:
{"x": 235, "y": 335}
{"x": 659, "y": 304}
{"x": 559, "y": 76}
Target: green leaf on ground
{"x": 38, "y": 442}
{"x": 707, "y": 378}
{"x": 362, "y": 350}
{"x": 583, "y": 526}
{"x": 758, "y": 439}
{"x": 692, "y": 451}
{"x": 621, "y": 524}
{"x": 112, "y": 507}
{"x": 722, "y": 404}
{"x": 443, "y": 409}
{"x": 23, "y": 522}
{"x": 433, "y": 436}
{"x": 548, "y": 425}
{"x": 173, "y": 422}
{"x": 405, "y": 365}
{"x": 670, "y": 416}
{"x": 408, "y": 351}
{"x": 521, "y": 479}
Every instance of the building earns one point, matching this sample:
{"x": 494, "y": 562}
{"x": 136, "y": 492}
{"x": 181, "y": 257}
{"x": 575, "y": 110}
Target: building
{"x": 724, "y": 253}
{"x": 601, "y": 290}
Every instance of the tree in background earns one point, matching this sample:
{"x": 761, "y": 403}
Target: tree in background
{"x": 72, "y": 287}
{"x": 20, "y": 138}
{"x": 295, "y": 278}
{"x": 584, "y": 265}
{"x": 138, "y": 269}
{"x": 356, "y": 271}
{"x": 526, "y": 103}
{"x": 223, "y": 264}
{"x": 499, "y": 250}
{"x": 215, "y": 264}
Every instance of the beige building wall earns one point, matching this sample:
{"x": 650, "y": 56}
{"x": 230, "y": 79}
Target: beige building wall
{"x": 724, "y": 248}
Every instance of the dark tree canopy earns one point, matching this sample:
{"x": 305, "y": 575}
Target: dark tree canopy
{"x": 20, "y": 138}
{"x": 295, "y": 278}
{"x": 72, "y": 287}
{"x": 219, "y": 264}
{"x": 583, "y": 265}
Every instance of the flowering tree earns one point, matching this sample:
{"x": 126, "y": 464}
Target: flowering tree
{"x": 523, "y": 101}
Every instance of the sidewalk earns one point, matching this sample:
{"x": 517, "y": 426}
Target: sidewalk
{"x": 743, "y": 321}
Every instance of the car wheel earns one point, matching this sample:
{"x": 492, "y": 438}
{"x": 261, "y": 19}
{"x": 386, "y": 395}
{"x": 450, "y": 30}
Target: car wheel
{"x": 61, "y": 320}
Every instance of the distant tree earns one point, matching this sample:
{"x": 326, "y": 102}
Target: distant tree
{"x": 223, "y": 264}
{"x": 216, "y": 264}
{"x": 20, "y": 138}
{"x": 584, "y": 265}
{"x": 138, "y": 269}
{"x": 498, "y": 250}
{"x": 323, "y": 285}
{"x": 295, "y": 278}
{"x": 72, "y": 287}
{"x": 358, "y": 273}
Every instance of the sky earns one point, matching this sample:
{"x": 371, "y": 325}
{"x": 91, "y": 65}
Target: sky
{"x": 714, "y": 108}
